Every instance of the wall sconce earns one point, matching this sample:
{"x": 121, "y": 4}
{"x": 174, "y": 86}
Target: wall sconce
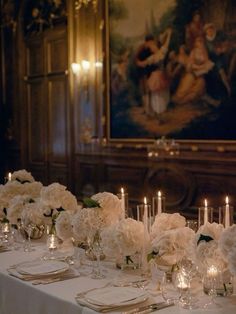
{"x": 76, "y": 68}
{"x": 82, "y": 70}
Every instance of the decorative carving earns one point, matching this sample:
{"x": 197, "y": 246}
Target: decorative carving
{"x": 42, "y": 14}
{"x": 177, "y": 184}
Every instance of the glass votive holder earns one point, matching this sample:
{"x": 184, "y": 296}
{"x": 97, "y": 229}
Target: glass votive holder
{"x": 226, "y": 215}
{"x": 6, "y": 231}
{"x": 124, "y": 198}
{"x": 144, "y": 215}
{"x": 52, "y": 243}
{"x": 158, "y": 205}
{"x": 205, "y": 214}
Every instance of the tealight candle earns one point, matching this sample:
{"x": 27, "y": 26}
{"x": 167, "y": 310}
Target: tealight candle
{"x": 212, "y": 271}
{"x": 5, "y": 227}
{"x": 52, "y": 242}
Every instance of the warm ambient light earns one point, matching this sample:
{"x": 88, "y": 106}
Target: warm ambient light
{"x": 85, "y": 65}
{"x": 76, "y": 67}
{"x": 145, "y": 201}
{"x": 227, "y": 200}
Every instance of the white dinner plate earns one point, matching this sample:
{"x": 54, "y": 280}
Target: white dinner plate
{"x": 36, "y": 268}
{"x": 116, "y": 296}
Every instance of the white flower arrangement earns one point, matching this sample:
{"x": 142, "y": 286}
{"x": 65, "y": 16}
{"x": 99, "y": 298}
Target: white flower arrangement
{"x": 58, "y": 198}
{"x": 124, "y": 238}
{"x": 206, "y": 250}
{"x": 169, "y": 247}
{"x": 31, "y": 214}
{"x": 16, "y": 207}
{"x": 227, "y": 245}
{"x": 164, "y": 222}
{"x": 22, "y": 176}
{"x": 86, "y": 222}
{"x": 14, "y": 188}
{"x": 63, "y": 226}
{"x": 110, "y": 205}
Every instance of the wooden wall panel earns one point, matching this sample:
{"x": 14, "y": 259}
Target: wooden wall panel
{"x": 35, "y": 58}
{"x": 57, "y": 55}
{"x": 37, "y": 121}
{"x": 57, "y": 100}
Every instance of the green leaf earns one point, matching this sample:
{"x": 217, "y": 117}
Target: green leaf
{"x": 205, "y": 238}
{"x": 90, "y": 203}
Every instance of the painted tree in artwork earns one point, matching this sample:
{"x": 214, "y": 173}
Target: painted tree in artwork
{"x": 183, "y": 13}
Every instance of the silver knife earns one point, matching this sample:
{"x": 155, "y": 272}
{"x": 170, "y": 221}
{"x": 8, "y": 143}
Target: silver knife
{"x": 149, "y": 308}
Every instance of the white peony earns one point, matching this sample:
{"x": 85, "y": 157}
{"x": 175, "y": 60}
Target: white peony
{"x": 171, "y": 245}
{"x": 164, "y": 222}
{"x": 22, "y": 176}
{"x": 110, "y": 205}
{"x": 63, "y": 226}
{"x": 123, "y": 238}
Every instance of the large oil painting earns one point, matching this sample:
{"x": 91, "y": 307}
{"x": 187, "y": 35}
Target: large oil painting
{"x": 172, "y": 69}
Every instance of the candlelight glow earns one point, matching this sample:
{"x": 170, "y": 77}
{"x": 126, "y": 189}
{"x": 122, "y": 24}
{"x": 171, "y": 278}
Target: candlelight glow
{"x": 145, "y": 201}
{"x": 227, "y": 200}
{"x": 9, "y": 176}
{"x": 159, "y": 193}
{"x": 205, "y": 202}
{"x": 122, "y": 190}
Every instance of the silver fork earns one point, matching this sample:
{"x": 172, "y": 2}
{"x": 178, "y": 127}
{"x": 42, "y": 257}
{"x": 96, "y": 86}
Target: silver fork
{"x": 83, "y": 293}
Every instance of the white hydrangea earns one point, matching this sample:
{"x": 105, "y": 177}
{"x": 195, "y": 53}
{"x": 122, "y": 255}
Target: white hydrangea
{"x": 63, "y": 226}
{"x": 22, "y": 176}
{"x": 110, "y": 205}
{"x": 56, "y": 196}
{"x": 123, "y": 238}
{"x": 16, "y": 207}
{"x": 206, "y": 251}
{"x": 31, "y": 214}
{"x": 171, "y": 245}
{"x": 227, "y": 245}
{"x": 165, "y": 221}
{"x": 86, "y": 222}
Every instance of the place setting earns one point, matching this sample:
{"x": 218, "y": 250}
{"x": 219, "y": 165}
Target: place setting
{"x": 43, "y": 272}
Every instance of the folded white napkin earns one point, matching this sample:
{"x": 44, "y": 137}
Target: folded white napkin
{"x": 112, "y": 298}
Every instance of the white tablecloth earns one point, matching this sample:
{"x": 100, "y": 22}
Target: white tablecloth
{"x": 20, "y": 297}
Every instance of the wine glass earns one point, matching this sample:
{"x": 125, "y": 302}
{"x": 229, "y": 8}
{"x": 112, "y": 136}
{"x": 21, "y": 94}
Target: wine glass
{"x": 29, "y": 227}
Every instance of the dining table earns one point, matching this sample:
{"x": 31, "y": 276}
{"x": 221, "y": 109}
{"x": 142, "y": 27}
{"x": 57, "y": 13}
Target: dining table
{"x": 59, "y": 297}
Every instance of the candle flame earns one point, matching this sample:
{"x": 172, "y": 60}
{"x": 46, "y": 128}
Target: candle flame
{"x": 122, "y": 190}
{"x": 9, "y": 176}
{"x": 205, "y": 202}
{"x": 145, "y": 201}
{"x": 159, "y": 193}
{"x": 227, "y": 200}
